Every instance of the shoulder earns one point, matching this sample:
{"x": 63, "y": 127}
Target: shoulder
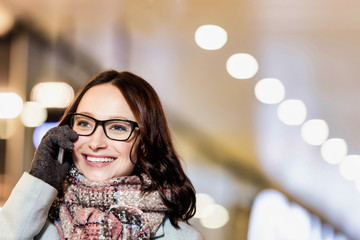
{"x": 185, "y": 231}
{"x": 34, "y": 197}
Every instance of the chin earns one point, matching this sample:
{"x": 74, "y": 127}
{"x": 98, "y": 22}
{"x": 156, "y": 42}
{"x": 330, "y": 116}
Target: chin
{"x": 95, "y": 178}
{"x": 92, "y": 175}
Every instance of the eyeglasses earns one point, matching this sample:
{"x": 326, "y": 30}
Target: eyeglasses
{"x": 115, "y": 129}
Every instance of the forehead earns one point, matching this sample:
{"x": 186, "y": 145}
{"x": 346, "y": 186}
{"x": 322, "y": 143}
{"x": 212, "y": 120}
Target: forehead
{"x": 105, "y": 101}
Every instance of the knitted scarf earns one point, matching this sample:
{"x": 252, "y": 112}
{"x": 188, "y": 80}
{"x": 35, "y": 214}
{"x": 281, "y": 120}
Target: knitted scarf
{"x": 114, "y": 209}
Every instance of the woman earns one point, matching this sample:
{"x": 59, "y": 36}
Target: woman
{"x": 126, "y": 181}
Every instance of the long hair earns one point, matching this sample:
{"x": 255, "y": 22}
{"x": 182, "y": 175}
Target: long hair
{"x": 156, "y": 155}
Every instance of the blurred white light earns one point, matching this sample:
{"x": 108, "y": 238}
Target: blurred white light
{"x": 273, "y": 217}
{"x": 315, "y": 232}
{"x": 350, "y": 167}
{"x": 269, "y": 91}
{"x": 217, "y": 216}
{"x": 315, "y": 131}
{"x": 40, "y": 131}
{"x": 292, "y": 112}
{"x": 210, "y": 37}
{"x": 11, "y": 105}
{"x": 203, "y": 200}
{"x": 267, "y": 210}
{"x": 6, "y": 21}
{"x": 357, "y": 184}
{"x": 33, "y": 114}
{"x": 242, "y": 66}
{"x": 334, "y": 150}
{"x": 295, "y": 224}
{"x": 53, "y": 94}
{"x": 327, "y": 232}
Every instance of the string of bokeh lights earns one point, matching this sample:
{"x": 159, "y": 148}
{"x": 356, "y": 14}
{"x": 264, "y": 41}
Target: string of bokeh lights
{"x": 290, "y": 111}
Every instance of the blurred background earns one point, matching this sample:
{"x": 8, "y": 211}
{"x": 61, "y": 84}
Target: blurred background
{"x": 261, "y": 97}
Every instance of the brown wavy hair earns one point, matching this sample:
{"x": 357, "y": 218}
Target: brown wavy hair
{"x": 156, "y": 155}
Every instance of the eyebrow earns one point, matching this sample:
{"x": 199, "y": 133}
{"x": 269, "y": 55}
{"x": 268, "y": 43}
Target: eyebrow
{"x": 110, "y": 117}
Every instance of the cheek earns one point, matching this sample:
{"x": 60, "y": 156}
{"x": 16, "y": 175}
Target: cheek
{"x": 123, "y": 148}
{"x": 78, "y": 143}
{"x": 77, "y": 146}
{"x": 126, "y": 152}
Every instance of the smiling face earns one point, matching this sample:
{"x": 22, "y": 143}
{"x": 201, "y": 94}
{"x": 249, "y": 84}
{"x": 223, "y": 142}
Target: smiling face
{"x": 96, "y": 156}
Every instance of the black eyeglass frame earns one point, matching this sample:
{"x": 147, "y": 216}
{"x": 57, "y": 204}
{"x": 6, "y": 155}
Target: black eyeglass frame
{"x": 102, "y": 123}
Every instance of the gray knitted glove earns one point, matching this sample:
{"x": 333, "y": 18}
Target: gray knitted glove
{"x": 45, "y": 165}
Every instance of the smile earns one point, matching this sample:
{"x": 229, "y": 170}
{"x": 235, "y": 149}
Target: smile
{"x": 99, "y": 159}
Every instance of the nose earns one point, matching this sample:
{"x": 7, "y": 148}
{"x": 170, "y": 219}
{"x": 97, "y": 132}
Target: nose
{"x": 98, "y": 139}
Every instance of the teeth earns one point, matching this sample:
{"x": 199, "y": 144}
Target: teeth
{"x": 95, "y": 159}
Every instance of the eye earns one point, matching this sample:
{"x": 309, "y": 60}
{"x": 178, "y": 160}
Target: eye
{"x": 118, "y": 127}
{"x": 82, "y": 123}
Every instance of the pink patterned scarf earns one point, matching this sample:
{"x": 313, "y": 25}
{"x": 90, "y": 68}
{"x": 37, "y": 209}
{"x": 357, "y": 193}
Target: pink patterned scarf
{"x": 115, "y": 209}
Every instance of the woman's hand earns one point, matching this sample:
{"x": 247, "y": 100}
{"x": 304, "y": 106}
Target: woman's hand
{"x": 45, "y": 165}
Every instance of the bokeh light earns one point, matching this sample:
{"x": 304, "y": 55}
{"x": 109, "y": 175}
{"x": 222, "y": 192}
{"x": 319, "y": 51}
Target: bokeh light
{"x": 357, "y": 184}
{"x": 315, "y": 131}
{"x": 350, "y": 167}
{"x": 52, "y": 94}
{"x": 269, "y": 91}
{"x": 295, "y": 224}
{"x": 7, "y": 20}
{"x": 242, "y": 66}
{"x": 41, "y": 130}
{"x": 274, "y": 217}
{"x": 33, "y": 114}
{"x": 11, "y": 105}
{"x": 203, "y": 200}
{"x": 217, "y": 216}
{"x": 334, "y": 150}
{"x": 292, "y": 112}
{"x": 210, "y": 37}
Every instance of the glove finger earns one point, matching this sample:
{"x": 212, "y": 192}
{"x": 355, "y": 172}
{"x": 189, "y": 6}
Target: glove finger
{"x": 63, "y": 131}
{"x": 60, "y": 136}
{"x": 67, "y": 136}
{"x": 66, "y": 144}
{"x": 67, "y": 131}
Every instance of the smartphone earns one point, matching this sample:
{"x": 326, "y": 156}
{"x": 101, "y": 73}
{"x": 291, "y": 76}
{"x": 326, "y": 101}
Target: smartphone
{"x": 61, "y": 155}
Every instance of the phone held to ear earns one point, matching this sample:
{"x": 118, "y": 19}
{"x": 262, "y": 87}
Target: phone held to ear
{"x": 61, "y": 155}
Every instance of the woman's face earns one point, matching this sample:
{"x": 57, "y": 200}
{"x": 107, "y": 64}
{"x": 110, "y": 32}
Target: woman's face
{"x": 96, "y": 156}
